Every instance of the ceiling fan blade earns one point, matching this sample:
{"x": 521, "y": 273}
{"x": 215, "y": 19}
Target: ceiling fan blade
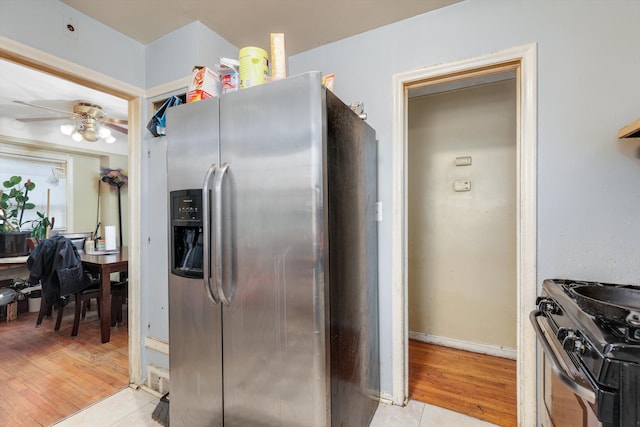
{"x": 42, "y": 119}
{"x": 117, "y": 128}
{"x": 118, "y": 121}
{"x": 71, "y": 113}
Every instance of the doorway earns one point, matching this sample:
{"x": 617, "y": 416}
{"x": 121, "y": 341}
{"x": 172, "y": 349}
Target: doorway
{"x": 461, "y": 258}
{"x": 461, "y": 199}
{"x": 520, "y": 61}
{"x": 47, "y": 63}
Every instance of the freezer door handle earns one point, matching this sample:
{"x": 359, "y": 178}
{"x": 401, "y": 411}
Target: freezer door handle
{"x": 219, "y": 210}
{"x": 206, "y": 244}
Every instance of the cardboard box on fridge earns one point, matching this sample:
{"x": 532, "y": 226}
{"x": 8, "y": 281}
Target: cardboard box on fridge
{"x": 205, "y": 83}
{"x": 278, "y": 57}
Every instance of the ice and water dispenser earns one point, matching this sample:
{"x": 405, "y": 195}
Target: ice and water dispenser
{"x": 186, "y": 233}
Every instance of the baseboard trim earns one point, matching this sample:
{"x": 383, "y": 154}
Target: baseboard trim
{"x": 387, "y": 399}
{"x": 157, "y": 345}
{"x": 492, "y": 350}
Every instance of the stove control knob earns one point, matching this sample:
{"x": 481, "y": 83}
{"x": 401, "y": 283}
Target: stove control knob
{"x": 573, "y": 343}
{"x": 549, "y": 306}
{"x": 563, "y": 333}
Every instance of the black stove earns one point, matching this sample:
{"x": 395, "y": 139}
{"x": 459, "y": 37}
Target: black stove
{"x": 590, "y": 334}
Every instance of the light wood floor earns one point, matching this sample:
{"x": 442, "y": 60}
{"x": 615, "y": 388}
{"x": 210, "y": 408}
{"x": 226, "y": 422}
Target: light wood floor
{"x": 44, "y": 376}
{"x": 477, "y": 385}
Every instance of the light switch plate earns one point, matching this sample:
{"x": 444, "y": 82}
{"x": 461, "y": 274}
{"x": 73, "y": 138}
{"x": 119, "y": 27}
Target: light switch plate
{"x": 462, "y": 185}
{"x": 463, "y": 161}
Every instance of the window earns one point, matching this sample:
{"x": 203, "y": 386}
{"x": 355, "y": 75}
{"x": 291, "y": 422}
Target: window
{"x": 50, "y": 177}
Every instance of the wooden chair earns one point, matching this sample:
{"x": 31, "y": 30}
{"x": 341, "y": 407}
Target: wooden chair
{"x": 82, "y": 298}
{"x": 45, "y": 309}
{"x": 78, "y": 239}
{"x": 119, "y": 293}
{"x": 32, "y": 242}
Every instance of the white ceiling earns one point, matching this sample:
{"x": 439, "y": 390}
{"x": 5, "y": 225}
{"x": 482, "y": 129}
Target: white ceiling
{"x": 307, "y": 24}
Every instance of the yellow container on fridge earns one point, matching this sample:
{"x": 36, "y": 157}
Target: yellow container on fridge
{"x": 254, "y": 66}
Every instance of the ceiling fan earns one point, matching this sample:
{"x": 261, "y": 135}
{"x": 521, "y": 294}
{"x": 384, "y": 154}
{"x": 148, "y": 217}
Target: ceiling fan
{"x": 94, "y": 123}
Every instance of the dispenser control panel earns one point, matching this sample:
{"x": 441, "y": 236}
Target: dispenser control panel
{"x": 186, "y": 206}
{"x": 186, "y": 234}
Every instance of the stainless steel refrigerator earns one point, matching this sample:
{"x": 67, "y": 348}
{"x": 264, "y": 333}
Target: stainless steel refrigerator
{"x": 273, "y": 293}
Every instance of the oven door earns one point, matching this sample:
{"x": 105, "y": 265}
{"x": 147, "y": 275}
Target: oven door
{"x": 566, "y": 393}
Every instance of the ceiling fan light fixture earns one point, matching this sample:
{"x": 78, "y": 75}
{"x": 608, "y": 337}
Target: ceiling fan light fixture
{"x": 104, "y": 132}
{"x": 94, "y": 125}
{"x": 90, "y": 133}
{"x": 76, "y": 136}
{"x": 67, "y": 129}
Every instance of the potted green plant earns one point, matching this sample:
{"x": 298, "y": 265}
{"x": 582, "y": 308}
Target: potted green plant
{"x": 39, "y": 226}
{"x": 14, "y": 200}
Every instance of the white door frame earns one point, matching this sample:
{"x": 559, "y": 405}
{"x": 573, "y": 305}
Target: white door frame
{"x": 27, "y": 55}
{"x": 522, "y": 59}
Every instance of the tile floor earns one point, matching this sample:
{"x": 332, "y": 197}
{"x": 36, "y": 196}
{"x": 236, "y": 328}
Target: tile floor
{"x": 131, "y": 407}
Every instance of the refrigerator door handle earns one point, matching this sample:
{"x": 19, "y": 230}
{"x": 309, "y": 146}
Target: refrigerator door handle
{"x": 206, "y": 244}
{"x": 218, "y": 212}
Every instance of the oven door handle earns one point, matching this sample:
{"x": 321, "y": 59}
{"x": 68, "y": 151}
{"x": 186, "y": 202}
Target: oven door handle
{"x": 557, "y": 364}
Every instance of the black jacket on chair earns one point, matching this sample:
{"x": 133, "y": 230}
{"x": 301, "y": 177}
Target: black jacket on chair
{"x": 55, "y": 262}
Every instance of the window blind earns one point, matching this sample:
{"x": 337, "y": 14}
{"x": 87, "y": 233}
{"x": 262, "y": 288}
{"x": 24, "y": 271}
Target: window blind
{"x": 50, "y": 178}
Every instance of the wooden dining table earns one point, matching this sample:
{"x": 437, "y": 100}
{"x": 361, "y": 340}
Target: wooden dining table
{"x": 104, "y": 266}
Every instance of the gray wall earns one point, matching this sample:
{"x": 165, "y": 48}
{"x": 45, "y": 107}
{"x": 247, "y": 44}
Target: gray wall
{"x": 39, "y": 24}
{"x": 172, "y": 56}
{"x": 169, "y": 58}
{"x": 588, "y": 68}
